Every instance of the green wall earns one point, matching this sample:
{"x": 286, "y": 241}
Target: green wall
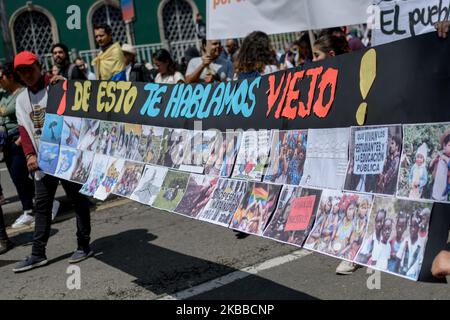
{"x": 145, "y": 27}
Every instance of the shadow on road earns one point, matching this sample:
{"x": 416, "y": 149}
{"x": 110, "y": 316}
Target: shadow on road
{"x": 164, "y": 271}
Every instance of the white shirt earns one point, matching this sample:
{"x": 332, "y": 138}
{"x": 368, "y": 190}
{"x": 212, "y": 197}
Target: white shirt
{"x": 170, "y": 79}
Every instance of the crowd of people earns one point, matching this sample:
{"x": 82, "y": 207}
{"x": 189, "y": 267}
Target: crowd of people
{"x": 25, "y": 86}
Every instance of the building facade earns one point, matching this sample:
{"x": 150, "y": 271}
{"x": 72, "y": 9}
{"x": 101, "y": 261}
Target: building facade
{"x": 36, "y": 25}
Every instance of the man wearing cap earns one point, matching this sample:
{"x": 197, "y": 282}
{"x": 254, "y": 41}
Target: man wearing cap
{"x": 68, "y": 70}
{"x": 111, "y": 59}
{"x": 133, "y": 71}
{"x": 30, "y": 111}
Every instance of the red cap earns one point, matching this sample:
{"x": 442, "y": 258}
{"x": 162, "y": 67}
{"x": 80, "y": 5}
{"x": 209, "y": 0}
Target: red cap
{"x": 25, "y": 58}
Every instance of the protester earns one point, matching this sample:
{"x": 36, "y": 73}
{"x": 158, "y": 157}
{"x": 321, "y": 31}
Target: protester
{"x": 210, "y": 67}
{"x": 167, "y": 73}
{"x": 10, "y": 143}
{"x": 134, "y": 71}
{"x": 329, "y": 46}
{"x": 256, "y": 56}
{"x": 83, "y": 67}
{"x": 54, "y": 71}
{"x": 67, "y": 70}
{"x": 111, "y": 59}
{"x": 33, "y": 100}
{"x": 231, "y": 50}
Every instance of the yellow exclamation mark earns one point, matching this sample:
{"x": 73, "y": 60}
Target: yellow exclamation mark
{"x": 367, "y": 75}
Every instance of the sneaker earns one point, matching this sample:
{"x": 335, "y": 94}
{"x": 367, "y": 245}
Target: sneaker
{"x": 29, "y": 263}
{"x": 346, "y": 268}
{"x": 55, "y": 208}
{"x": 23, "y": 221}
{"x": 80, "y": 255}
{"x": 5, "y": 246}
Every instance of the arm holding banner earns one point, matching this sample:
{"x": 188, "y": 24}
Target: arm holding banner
{"x": 441, "y": 265}
{"x": 442, "y": 28}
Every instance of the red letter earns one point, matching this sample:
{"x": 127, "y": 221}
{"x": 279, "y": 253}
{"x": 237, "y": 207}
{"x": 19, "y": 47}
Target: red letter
{"x": 273, "y": 94}
{"x": 62, "y": 104}
{"x": 314, "y": 73}
{"x": 329, "y": 78}
{"x": 288, "y": 111}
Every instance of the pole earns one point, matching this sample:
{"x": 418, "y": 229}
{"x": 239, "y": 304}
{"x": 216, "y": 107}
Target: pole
{"x": 312, "y": 39}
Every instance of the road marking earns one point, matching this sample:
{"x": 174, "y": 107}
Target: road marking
{"x": 237, "y": 275}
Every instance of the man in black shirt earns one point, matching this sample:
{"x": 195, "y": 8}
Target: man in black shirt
{"x": 67, "y": 70}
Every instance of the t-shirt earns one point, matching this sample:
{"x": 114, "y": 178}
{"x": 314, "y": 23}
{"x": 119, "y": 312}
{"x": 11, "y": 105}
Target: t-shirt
{"x": 169, "y": 79}
{"x": 8, "y": 111}
{"x": 221, "y": 68}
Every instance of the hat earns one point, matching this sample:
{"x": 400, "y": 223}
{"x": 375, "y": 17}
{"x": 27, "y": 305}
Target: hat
{"x": 423, "y": 150}
{"x": 25, "y": 58}
{"x": 445, "y": 135}
{"x": 128, "y": 48}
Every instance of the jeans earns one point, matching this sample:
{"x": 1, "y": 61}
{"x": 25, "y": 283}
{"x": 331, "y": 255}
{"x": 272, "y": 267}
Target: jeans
{"x": 45, "y": 194}
{"x": 3, "y": 235}
{"x": 17, "y": 167}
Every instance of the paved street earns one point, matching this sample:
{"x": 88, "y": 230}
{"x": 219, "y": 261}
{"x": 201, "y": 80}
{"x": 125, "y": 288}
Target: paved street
{"x": 143, "y": 253}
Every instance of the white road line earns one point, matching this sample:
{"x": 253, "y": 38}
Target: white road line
{"x": 237, "y": 275}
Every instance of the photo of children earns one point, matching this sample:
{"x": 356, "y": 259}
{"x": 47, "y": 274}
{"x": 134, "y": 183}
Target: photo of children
{"x": 129, "y": 179}
{"x": 173, "y": 147}
{"x": 342, "y": 233}
{"x": 89, "y": 135}
{"x": 83, "y": 166}
{"x": 149, "y": 144}
{"x": 67, "y": 161}
{"x": 149, "y": 184}
{"x": 256, "y": 208}
{"x": 48, "y": 157}
{"x": 132, "y": 140}
{"x": 198, "y": 149}
{"x": 223, "y": 155}
{"x": 287, "y": 157}
{"x": 199, "y": 191}
{"x": 172, "y": 190}
{"x": 108, "y": 136}
{"x": 374, "y": 159}
{"x": 326, "y": 158}
{"x": 110, "y": 180}
{"x": 71, "y": 132}
{"x": 224, "y": 202}
{"x": 119, "y": 146}
{"x": 396, "y": 237}
{"x": 98, "y": 171}
{"x": 294, "y": 215}
{"x": 253, "y": 155}
{"x": 52, "y": 128}
{"x": 424, "y": 170}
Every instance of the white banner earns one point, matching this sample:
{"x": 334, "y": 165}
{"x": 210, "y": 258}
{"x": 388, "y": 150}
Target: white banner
{"x": 237, "y": 18}
{"x": 399, "y": 19}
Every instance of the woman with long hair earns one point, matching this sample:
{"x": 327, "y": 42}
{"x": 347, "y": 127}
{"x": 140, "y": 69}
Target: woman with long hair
{"x": 167, "y": 73}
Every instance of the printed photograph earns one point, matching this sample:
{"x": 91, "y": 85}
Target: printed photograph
{"x": 397, "y": 234}
{"x": 287, "y": 157}
{"x": 149, "y": 184}
{"x": 48, "y": 157}
{"x": 374, "y": 159}
{"x": 340, "y": 225}
{"x": 326, "y": 158}
{"x": 150, "y": 144}
{"x": 256, "y": 208}
{"x": 89, "y": 135}
{"x": 223, "y": 155}
{"x": 67, "y": 160}
{"x": 294, "y": 216}
{"x": 71, "y": 132}
{"x": 173, "y": 147}
{"x": 110, "y": 180}
{"x": 198, "y": 150}
{"x": 172, "y": 190}
{"x": 52, "y": 128}
{"x": 224, "y": 202}
{"x": 108, "y": 137}
{"x": 199, "y": 191}
{"x": 83, "y": 166}
{"x": 128, "y": 181}
{"x": 98, "y": 171}
{"x": 425, "y": 165}
{"x": 253, "y": 155}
